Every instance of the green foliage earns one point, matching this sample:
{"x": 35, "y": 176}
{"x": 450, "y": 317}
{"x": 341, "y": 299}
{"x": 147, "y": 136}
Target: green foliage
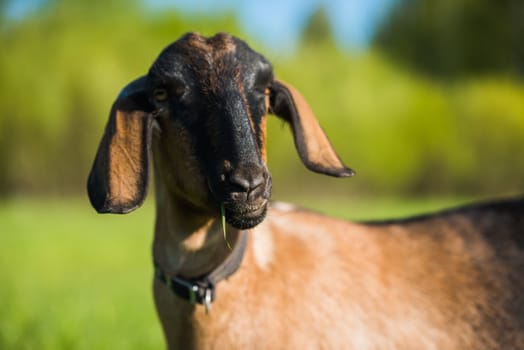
{"x": 403, "y": 133}
{"x": 318, "y": 29}
{"x": 453, "y": 38}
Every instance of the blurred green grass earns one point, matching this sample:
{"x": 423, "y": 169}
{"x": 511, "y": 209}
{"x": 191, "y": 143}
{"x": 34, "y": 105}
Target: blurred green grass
{"x": 73, "y": 279}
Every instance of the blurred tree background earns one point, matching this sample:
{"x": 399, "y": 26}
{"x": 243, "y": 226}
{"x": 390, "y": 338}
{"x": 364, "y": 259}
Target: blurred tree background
{"x": 453, "y": 38}
{"x": 435, "y": 105}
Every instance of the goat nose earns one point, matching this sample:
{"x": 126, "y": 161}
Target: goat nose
{"x": 246, "y": 180}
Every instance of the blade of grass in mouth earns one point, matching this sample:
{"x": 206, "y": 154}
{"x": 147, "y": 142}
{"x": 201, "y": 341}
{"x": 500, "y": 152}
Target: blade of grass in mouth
{"x": 223, "y": 215}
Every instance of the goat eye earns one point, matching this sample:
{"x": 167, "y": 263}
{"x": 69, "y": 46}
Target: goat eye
{"x": 160, "y": 95}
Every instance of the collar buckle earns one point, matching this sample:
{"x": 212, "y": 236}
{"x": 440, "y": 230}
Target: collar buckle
{"x": 208, "y": 299}
{"x": 201, "y": 290}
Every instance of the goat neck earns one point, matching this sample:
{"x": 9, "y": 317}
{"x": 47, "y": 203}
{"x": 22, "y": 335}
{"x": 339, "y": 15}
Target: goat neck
{"x": 188, "y": 242}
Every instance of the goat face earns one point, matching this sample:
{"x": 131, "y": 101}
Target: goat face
{"x": 208, "y": 100}
{"x": 214, "y": 93}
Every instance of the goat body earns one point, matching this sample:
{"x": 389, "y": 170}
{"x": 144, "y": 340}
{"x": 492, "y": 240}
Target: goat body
{"x": 451, "y": 280}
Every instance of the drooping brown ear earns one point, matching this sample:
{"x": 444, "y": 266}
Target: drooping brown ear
{"x": 119, "y": 177}
{"x": 313, "y": 146}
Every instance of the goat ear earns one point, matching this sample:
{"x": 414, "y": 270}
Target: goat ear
{"x": 313, "y": 146}
{"x": 119, "y": 177}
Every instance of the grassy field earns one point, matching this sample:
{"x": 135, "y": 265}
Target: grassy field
{"x": 73, "y": 279}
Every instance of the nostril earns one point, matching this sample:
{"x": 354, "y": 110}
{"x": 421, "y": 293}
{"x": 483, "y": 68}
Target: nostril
{"x": 246, "y": 181}
{"x": 241, "y": 183}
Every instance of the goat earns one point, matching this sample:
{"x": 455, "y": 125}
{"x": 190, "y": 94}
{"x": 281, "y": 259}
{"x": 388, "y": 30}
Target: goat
{"x": 450, "y": 280}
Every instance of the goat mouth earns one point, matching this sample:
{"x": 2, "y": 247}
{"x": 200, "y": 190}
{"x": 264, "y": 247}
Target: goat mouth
{"x": 245, "y": 216}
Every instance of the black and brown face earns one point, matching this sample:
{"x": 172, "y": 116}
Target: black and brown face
{"x": 209, "y": 99}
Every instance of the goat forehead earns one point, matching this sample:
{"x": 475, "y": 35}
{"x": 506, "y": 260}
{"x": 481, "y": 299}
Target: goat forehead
{"x": 215, "y": 46}
{"x": 209, "y": 60}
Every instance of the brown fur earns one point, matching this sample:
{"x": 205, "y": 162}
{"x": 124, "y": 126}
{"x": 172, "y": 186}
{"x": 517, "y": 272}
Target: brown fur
{"x": 434, "y": 283}
{"x": 124, "y": 153}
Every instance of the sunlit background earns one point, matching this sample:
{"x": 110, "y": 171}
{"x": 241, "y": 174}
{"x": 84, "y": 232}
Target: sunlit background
{"x": 423, "y": 98}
